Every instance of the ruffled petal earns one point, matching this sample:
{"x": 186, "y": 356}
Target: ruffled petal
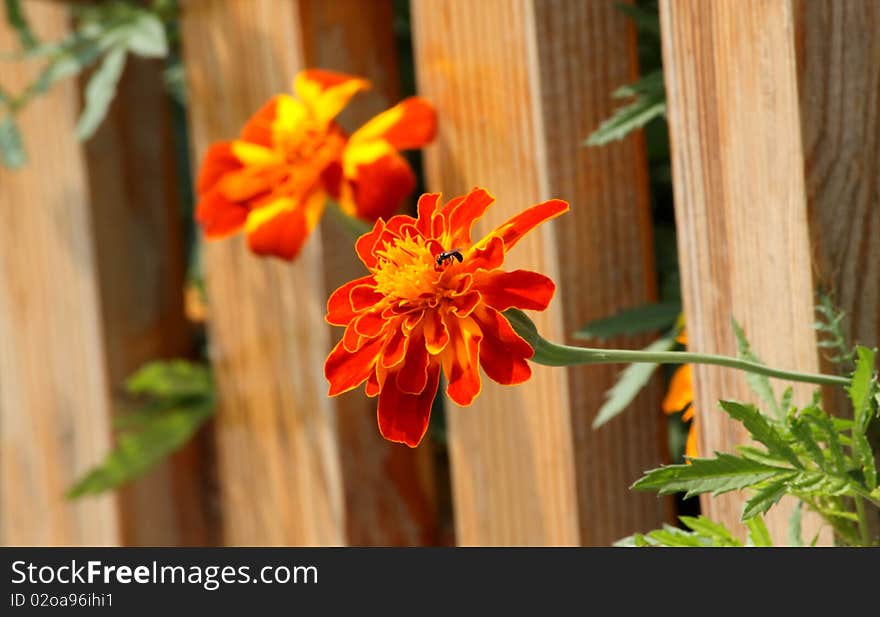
{"x": 376, "y": 183}
{"x": 681, "y": 392}
{"x": 339, "y": 309}
{"x": 412, "y": 123}
{"x": 436, "y": 332}
{"x": 258, "y": 129}
{"x": 522, "y": 289}
{"x": 461, "y": 362}
{"x": 281, "y": 227}
{"x": 219, "y": 161}
{"x": 503, "y": 352}
{"x": 218, "y": 216}
{"x": 461, "y": 218}
{"x": 413, "y": 373}
{"x": 346, "y": 370}
{"x": 427, "y": 207}
{"x": 404, "y": 417}
{"x": 521, "y": 224}
{"x": 325, "y": 93}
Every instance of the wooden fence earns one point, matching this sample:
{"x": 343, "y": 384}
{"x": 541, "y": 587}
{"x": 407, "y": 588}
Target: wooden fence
{"x": 774, "y": 118}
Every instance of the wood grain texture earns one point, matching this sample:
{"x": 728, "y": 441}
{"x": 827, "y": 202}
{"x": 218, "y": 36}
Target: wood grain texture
{"x": 54, "y": 403}
{"x": 295, "y": 466}
{"x": 138, "y": 228}
{"x": 519, "y": 86}
{"x": 742, "y": 197}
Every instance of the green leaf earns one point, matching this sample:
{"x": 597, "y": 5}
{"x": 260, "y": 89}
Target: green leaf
{"x": 11, "y": 147}
{"x": 706, "y": 527}
{"x": 765, "y": 498}
{"x": 827, "y": 433}
{"x": 761, "y": 430}
{"x": 795, "y": 535}
{"x": 760, "y": 384}
{"x": 146, "y": 36}
{"x": 15, "y": 18}
{"x": 174, "y": 379}
{"x": 638, "y": 320}
{"x": 864, "y": 454}
{"x": 632, "y": 379}
{"x": 100, "y": 92}
{"x": 136, "y": 452}
{"x": 758, "y": 534}
{"x": 703, "y": 475}
{"x": 862, "y": 388}
{"x": 175, "y": 81}
{"x": 649, "y": 103}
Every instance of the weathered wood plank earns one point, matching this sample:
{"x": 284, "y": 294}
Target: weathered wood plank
{"x": 295, "y": 467}
{"x": 768, "y": 152}
{"x": 519, "y": 86}
{"x": 54, "y": 399}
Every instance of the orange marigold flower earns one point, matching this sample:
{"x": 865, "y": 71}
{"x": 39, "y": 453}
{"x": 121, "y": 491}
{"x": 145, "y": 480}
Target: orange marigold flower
{"x": 434, "y": 299}
{"x": 680, "y": 398}
{"x": 274, "y": 180}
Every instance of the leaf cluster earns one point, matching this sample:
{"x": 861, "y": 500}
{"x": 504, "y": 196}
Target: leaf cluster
{"x": 174, "y": 399}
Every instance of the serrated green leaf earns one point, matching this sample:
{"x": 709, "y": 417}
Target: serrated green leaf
{"x": 825, "y": 428}
{"x": 760, "y": 384}
{"x": 765, "y": 498}
{"x": 706, "y": 527}
{"x": 801, "y": 429}
{"x": 703, "y": 475}
{"x": 795, "y": 535}
{"x": 785, "y": 402}
{"x": 136, "y": 452}
{"x": 674, "y": 537}
{"x": 758, "y": 534}
{"x": 760, "y": 455}
{"x": 15, "y": 18}
{"x": 100, "y": 92}
{"x": 864, "y": 454}
{"x": 639, "y": 320}
{"x": 862, "y": 388}
{"x": 820, "y": 483}
{"x": 146, "y": 36}
{"x": 626, "y": 120}
{"x": 172, "y": 379}
{"x": 11, "y": 146}
{"x": 760, "y": 429}
{"x": 631, "y": 381}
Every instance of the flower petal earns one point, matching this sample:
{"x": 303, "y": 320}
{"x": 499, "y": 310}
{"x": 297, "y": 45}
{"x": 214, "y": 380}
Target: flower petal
{"x": 522, "y": 289}
{"x": 413, "y": 374}
{"x": 395, "y": 349}
{"x": 460, "y": 361}
{"x": 258, "y": 129}
{"x": 681, "y": 392}
{"x": 325, "y": 93}
{"x": 436, "y": 333}
{"x": 412, "y": 123}
{"x": 339, "y": 309}
{"x": 503, "y": 352}
{"x": 462, "y": 217}
{"x": 404, "y": 417}
{"x": 375, "y": 185}
{"x": 346, "y": 370}
{"x": 219, "y": 161}
{"x": 521, "y": 224}
{"x": 281, "y": 227}
{"x": 427, "y": 207}
{"x": 218, "y": 216}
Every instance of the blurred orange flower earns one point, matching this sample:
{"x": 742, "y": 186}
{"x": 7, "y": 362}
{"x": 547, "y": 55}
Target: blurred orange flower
{"x": 274, "y": 181}
{"x": 434, "y": 299}
{"x": 680, "y": 398}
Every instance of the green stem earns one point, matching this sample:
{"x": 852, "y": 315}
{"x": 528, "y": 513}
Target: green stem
{"x": 863, "y": 521}
{"x": 562, "y": 355}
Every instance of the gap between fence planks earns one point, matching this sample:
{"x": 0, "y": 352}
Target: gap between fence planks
{"x": 294, "y": 466}
{"x": 519, "y": 86}
{"x": 138, "y": 228}
{"x": 774, "y": 128}
{"x": 54, "y": 405}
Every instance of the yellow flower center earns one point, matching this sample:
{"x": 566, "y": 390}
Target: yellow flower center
{"x": 407, "y": 271}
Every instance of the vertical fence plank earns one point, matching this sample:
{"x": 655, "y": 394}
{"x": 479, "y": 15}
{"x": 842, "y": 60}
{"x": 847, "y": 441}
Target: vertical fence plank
{"x": 519, "y": 86}
{"x": 138, "y": 225}
{"x": 54, "y": 405}
{"x": 279, "y": 441}
{"x": 767, "y": 152}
